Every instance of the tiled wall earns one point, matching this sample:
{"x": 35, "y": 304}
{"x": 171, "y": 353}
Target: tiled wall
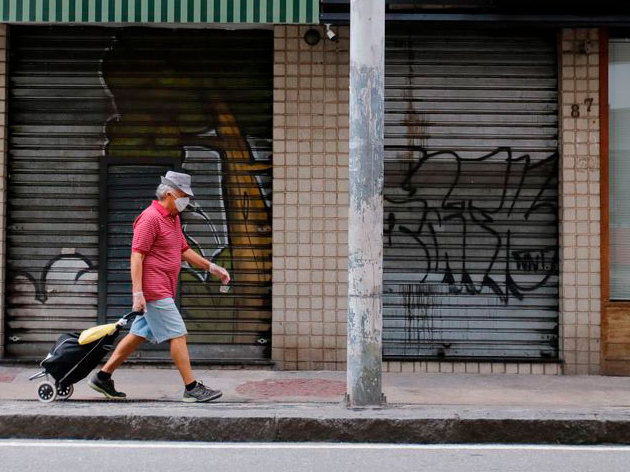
{"x": 580, "y": 300}
{"x": 430, "y": 367}
{"x": 310, "y": 189}
{"x": 3, "y": 173}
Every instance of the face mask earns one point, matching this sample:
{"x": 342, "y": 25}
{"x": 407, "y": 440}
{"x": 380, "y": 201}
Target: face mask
{"x": 181, "y": 203}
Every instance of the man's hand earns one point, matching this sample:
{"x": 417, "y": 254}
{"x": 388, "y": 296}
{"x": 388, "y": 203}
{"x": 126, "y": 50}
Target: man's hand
{"x": 196, "y": 260}
{"x": 221, "y": 273}
{"x": 139, "y": 303}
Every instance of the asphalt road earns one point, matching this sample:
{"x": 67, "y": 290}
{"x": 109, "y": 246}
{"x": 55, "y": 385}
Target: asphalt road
{"x": 53, "y": 456}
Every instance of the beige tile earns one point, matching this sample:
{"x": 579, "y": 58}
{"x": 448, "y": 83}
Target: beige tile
{"x": 420, "y": 367}
{"x": 538, "y": 369}
{"x": 406, "y": 366}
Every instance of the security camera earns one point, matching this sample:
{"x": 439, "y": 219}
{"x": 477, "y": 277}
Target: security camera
{"x": 330, "y": 33}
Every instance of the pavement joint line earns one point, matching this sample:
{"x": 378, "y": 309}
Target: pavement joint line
{"x": 170, "y": 445}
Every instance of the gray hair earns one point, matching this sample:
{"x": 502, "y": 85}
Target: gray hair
{"x": 162, "y": 190}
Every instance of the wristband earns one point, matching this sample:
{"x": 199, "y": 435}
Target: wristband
{"x": 210, "y": 266}
{"x": 138, "y": 294}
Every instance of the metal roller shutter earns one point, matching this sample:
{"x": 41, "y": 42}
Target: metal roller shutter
{"x": 130, "y": 103}
{"x": 471, "y": 182}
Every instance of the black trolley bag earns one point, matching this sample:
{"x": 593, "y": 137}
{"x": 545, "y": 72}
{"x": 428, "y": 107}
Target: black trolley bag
{"x": 68, "y": 362}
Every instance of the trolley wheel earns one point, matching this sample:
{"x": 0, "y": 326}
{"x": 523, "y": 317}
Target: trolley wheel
{"x": 63, "y": 393}
{"x": 47, "y": 392}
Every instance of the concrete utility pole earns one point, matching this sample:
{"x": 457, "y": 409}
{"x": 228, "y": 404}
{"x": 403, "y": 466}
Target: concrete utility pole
{"x": 365, "y": 218}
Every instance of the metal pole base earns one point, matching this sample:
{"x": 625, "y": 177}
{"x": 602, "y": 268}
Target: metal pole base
{"x": 346, "y": 402}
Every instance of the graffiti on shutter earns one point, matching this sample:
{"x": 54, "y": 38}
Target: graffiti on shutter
{"x": 83, "y": 95}
{"x": 471, "y": 177}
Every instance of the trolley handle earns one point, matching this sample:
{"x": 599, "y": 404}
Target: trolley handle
{"x": 129, "y": 316}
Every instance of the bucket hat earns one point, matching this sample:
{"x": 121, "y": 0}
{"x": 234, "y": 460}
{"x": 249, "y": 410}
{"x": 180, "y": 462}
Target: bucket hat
{"x": 179, "y": 181}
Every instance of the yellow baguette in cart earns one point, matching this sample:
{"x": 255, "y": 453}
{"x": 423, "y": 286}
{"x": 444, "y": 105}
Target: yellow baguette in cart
{"x": 97, "y": 332}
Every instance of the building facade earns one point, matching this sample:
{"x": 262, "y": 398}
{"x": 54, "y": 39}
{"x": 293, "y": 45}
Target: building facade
{"x": 501, "y": 210}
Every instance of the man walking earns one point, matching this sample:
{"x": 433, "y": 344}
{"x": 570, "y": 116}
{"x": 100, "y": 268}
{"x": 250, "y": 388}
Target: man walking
{"x": 157, "y": 250}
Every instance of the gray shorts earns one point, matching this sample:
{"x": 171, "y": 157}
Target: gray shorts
{"x": 161, "y": 322}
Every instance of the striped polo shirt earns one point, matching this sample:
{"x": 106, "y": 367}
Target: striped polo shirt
{"x": 158, "y": 235}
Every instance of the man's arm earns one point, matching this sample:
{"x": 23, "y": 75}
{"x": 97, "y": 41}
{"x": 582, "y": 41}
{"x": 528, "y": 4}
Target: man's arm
{"x": 196, "y": 260}
{"x": 139, "y": 302}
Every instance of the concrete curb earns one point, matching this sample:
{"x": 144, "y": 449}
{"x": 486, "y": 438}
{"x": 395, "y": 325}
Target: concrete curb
{"x": 321, "y": 423}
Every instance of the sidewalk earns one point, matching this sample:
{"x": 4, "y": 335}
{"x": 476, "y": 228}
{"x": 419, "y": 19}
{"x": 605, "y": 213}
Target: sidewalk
{"x": 301, "y": 406}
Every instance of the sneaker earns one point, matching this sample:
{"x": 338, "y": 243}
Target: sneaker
{"x": 106, "y": 387}
{"x": 200, "y": 393}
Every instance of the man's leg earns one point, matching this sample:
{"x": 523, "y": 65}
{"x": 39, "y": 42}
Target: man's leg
{"x": 102, "y": 381}
{"x": 179, "y": 354}
{"x": 193, "y": 391}
{"x": 124, "y": 349}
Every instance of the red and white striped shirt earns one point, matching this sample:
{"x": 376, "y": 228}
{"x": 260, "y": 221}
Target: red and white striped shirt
{"x": 158, "y": 235}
